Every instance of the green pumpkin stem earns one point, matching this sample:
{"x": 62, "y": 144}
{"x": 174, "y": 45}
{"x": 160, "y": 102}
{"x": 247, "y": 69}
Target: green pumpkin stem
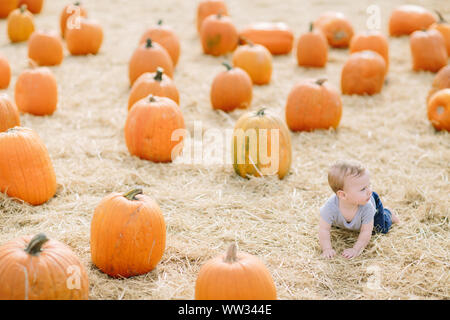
{"x": 311, "y": 27}
{"x": 441, "y": 18}
{"x": 227, "y": 65}
{"x": 131, "y": 195}
{"x": 231, "y": 255}
{"x": 149, "y": 43}
{"x": 160, "y": 22}
{"x": 321, "y": 81}
{"x": 35, "y": 245}
{"x": 23, "y": 8}
{"x": 159, "y": 74}
{"x": 243, "y": 39}
{"x": 261, "y": 112}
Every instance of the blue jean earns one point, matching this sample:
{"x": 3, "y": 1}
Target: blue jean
{"x": 383, "y": 217}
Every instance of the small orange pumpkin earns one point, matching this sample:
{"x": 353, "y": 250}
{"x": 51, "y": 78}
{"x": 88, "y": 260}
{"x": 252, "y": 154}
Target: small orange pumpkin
{"x": 6, "y": 6}
{"x": 151, "y": 125}
{"x": 147, "y": 58}
{"x": 256, "y": 60}
{"x": 26, "y": 170}
{"x": 439, "y": 110}
{"x": 428, "y": 50}
{"x": 128, "y": 234}
{"x": 71, "y": 15}
{"x": 440, "y": 81}
{"x": 312, "y": 49}
{"x": 166, "y": 37}
{"x": 36, "y": 92}
{"x": 408, "y": 18}
{"x": 157, "y": 84}
{"x": 261, "y": 145}
{"x": 231, "y": 89}
{"x": 35, "y": 6}
{"x": 371, "y": 40}
{"x": 9, "y": 114}
{"x": 444, "y": 28}
{"x": 45, "y": 48}
{"x": 235, "y": 276}
{"x": 336, "y": 27}
{"x": 206, "y": 8}
{"x": 363, "y": 73}
{"x": 20, "y": 24}
{"x": 84, "y": 39}
{"x": 218, "y": 35}
{"x": 313, "y": 104}
{"x": 5, "y": 72}
{"x": 276, "y": 37}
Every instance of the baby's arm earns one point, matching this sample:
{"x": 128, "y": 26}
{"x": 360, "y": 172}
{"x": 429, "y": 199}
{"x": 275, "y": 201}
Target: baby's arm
{"x": 325, "y": 238}
{"x": 363, "y": 240}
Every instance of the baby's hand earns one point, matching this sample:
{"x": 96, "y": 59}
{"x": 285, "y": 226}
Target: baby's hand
{"x": 350, "y": 253}
{"x": 328, "y": 253}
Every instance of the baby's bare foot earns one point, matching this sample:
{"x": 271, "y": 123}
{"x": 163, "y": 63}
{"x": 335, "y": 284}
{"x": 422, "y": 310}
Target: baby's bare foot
{"x": 395, "y": 218}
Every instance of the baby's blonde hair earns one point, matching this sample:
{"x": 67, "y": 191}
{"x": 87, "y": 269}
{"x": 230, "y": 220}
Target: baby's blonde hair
{"x": 342, "y": 169}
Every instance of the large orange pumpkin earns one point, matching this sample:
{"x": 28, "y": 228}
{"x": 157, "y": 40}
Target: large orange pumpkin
{"x": 261, "y": 145}
{"x": 439, "y": 110}
{"x": 278, "y": 38}
{"x": 235, "y": 276}
{"x": 147, "y": 58}
{"x": 38, "y": 268}
{"x": 20, "y": 24}
{"x": 218, "y": 35}
{"x": 35, "y": 6}
{"x": 71, "y": 15}
{"x": 128, "y": 234}
{"x": 428, "y": 50}
{"x": 84, "y": 39}
{"x": 371, "y": 40}
{"x": 9, "y": 114}
{"x": 166, "y": 37}
{"x": 336, "y": 27}
{"x": 256, "y": 60}
{"x": 45, "y": 48}
{"x": 235, "y": 81}
{"x": 26, "y": 170}
{"x": 440, "y": 81}
{"x": 312, "y": 49}
{"x": 5, "y": 72}
{"x": 36, "y": 92}
{"x": 151, "y": 129}
{"x": 155, "y": 83}
{"x": 6, "y": 6}
{"x": 408, "y": 18}
{"x": 206, "y": 8}
{"x": 313, "y": 104}
{"x": 363, "y": 73}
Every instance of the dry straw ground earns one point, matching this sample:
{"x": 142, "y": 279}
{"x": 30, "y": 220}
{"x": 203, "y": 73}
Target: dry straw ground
{"x": 207, "y": 206}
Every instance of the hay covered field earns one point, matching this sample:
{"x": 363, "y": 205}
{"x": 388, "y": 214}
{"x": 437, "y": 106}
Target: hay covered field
{"x": 207, "y": 206}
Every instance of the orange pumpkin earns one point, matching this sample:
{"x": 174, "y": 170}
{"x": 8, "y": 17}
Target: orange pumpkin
{"x": 256, "y": 60}
{"x": 36, "y": 92}
{"x": 444, "y": 28}
{"x": 9, "y": 115}
{"x": 235, "y": 81}
{"x": 276, "y": 37}
{"x": 147, "y": 58}
{"x": 73, "y": 11}
{"x": 20, "y": 24}
{"x": 166, "y": 37}
{"x": 151, "y": 127}
{"x": 261, "y": 145}
{"x": 408, "y": 18}
{"x": 363, "y": 73}
{"x": 312, "y": 49}
{"x": 206, "y": 8}
{"x": 6, "y": 6}
{"x": 439, "y": 110}
{"x": 38, "y": 268}
{"x": 336, "y": 27}
{"x": 440, "y": 81}
{"x": 428, "y": 50}
{"x": 26, "y": 170}
{"x": 84, "y": 39}
{"x": 35, "y": 6}
{"x": 371, "y": 40}
{"x": 128, "y": 234}
{"x": 157, "y": 84}
{"x": 45, "y": 48}
{"x": 218, "y": 35}
{"x": 313, "y": 104}
{"x": 235, "y": 276}
{"x": 5, "y": 72}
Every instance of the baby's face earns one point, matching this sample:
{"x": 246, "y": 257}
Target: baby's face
{"x": 358, "y": 189}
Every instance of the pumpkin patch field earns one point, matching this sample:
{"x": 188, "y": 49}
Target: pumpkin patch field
{"x": 93, "y": 181}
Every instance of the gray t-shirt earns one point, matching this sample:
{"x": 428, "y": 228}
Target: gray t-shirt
{"x": 331, "y": 214}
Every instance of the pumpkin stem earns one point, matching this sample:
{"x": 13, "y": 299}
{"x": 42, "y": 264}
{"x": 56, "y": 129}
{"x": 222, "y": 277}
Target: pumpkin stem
{"x": 311, "y": 27}
{"x": 23, "y": 8}
{"x": 148, "y": 43}
{"x": 261, "y": 112}
{"x": 160, "y": 22}
{"x": 321, "y": 81}
{"x": 35, "y": 245}
{"x": 231, "y": 255}
{"x": 246, "y": 40}
{"x": 159, "y": 74}
{"x": 227, "y": 65}
{"x": 152, "y": 98}
{"x": 441, "y": 18}
{"x": 131, "y": 195}
{"x": 78, "y": 3}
